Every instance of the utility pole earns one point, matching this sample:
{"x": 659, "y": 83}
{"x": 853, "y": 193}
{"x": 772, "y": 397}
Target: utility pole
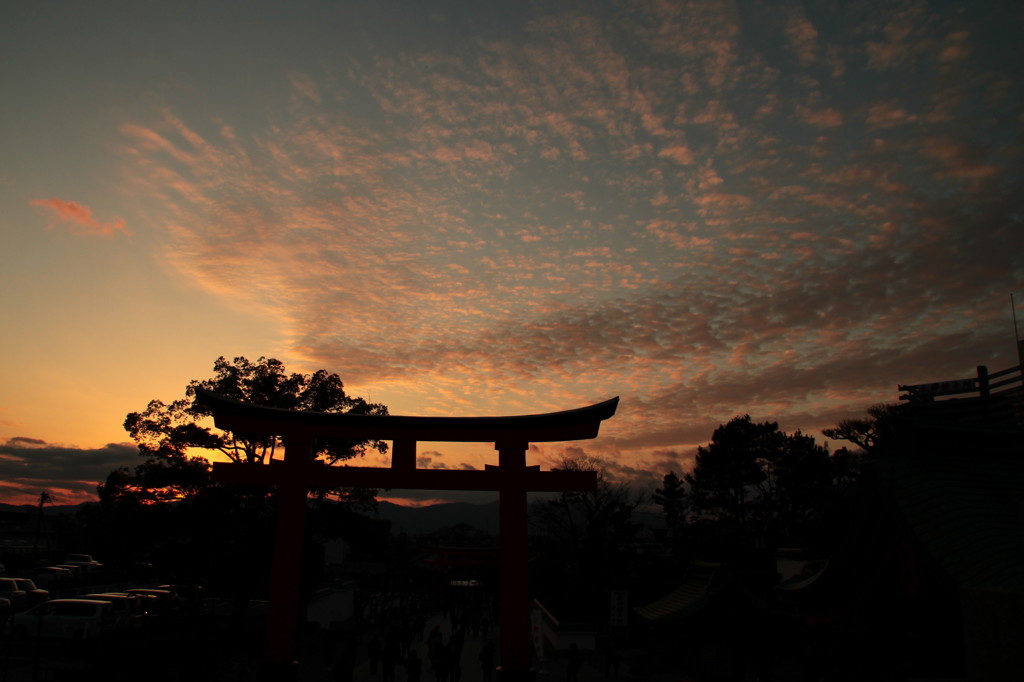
{"x": 44, "y": 497}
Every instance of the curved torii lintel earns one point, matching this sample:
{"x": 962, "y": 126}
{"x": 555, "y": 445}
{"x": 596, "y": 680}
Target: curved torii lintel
{"x": 578, "y": 424}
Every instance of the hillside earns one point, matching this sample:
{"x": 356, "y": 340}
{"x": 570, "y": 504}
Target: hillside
{"x": 417, "y": 520}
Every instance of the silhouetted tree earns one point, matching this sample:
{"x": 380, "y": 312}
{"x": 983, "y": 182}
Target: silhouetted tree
{"x": 803, "y": 480}
{"x": 674, "y": 503}
{"x": 729, "y": 471}
{"x": 213, "y": 530}
{"x": 586, "y": 535}
{"x": 167, "y": 434}
{"x": 871, "y": 434}
{"x": 753, "y": 478}
{"x": 590, "y": 522}
{"x": 170, "y": 430}
{"x": 156, "y": 480}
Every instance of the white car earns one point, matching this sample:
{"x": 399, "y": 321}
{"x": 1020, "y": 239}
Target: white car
{"x": 66, "y": 618}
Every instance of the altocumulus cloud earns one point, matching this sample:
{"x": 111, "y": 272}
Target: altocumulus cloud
{"x": 657, "y": 204}
{"x": 79, "y": 218}
{"x": 28, "y": 465}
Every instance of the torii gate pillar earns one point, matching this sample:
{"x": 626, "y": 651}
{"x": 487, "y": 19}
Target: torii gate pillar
{"x": 286, "y": 565}
{"x": 514, "y": 562}
{"x": 299, "y": 472}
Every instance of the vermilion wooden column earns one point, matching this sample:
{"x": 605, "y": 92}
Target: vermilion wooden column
{"x": 286, "y": 566}
{"x": 515, "y": 563}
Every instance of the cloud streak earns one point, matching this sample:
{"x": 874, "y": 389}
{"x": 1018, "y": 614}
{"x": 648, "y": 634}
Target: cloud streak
{"x": 79, "y": 219}
{"x": 69, "y": 474}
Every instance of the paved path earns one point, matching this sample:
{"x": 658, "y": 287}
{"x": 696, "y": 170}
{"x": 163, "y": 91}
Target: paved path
{"x": 313, "y": 667}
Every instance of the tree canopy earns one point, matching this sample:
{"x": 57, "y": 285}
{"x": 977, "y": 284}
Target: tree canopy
{"x": 753, "y": 477}
{"x": 167, "y": 434}
{"x": 870, "y": 434}
{"x": 586, "y": 536}
{"x": 674, "y": 503}
{"x": 163, "y": 430}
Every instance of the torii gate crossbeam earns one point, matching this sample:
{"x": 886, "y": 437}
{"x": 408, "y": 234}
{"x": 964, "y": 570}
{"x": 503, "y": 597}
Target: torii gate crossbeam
{"x": 511, "y": 478}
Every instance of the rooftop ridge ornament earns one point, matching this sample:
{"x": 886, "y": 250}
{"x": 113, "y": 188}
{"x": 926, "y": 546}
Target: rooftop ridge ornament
{"x": 300, "y": 471}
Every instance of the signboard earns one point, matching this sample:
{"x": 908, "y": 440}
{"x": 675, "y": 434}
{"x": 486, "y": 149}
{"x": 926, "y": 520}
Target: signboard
{"x": 940, "y": 388}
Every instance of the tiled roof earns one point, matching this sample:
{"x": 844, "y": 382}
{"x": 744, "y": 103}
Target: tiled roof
{"x": 697, "y": 589}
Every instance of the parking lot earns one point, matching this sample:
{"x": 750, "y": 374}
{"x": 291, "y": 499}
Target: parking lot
{"x": 195, "y": 641}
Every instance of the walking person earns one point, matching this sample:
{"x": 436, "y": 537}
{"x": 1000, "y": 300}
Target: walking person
{"x": 389, "y": 657}
{"x": 487, "y": 660}
{"x": 374, "y": 649}
{"x": 572, "y": 670}
{"x": 413, "y": 667}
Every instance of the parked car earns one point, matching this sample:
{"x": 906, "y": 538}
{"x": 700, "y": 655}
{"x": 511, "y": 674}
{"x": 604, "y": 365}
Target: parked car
{"x": 73, "y": 569}
{"x": 66, "y": 618}
{"x": 9, "y": 590}
{"x": 128, "y": 609}
{"x": 35, "y": 595}
{"x": 187, "y": 591}
{"x": 49, "y": 575}
{"x": 148, "y": 606}
{"x": 156, "y": 601}
{"x": 84, "y": 560}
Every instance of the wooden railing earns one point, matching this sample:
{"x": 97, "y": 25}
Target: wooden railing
{"x": 983, "y": 385}
{"x": 993, "y": 398}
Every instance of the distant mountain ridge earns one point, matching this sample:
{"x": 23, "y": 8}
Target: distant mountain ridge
{"x": 410, "y": 520}
{"x": 419, "y": 520}
{"x": 48, "y": 510}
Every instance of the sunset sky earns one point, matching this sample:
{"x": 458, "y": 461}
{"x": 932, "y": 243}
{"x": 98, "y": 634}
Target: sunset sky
{"x": 707, "y": 208}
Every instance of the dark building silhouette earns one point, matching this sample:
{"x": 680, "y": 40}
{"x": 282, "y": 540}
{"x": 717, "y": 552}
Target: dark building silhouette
{"x": 928, "y": 581}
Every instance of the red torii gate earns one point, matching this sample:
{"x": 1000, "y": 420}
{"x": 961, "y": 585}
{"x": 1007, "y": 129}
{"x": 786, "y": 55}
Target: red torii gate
{"x": 299, "y": 472}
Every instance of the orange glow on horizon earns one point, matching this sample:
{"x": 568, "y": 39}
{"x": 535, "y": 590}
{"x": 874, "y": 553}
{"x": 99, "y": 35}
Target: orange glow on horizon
{"x": 415, "y": 504}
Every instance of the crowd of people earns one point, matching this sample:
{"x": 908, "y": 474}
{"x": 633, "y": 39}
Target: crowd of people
{"x": 411, "y": 639}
